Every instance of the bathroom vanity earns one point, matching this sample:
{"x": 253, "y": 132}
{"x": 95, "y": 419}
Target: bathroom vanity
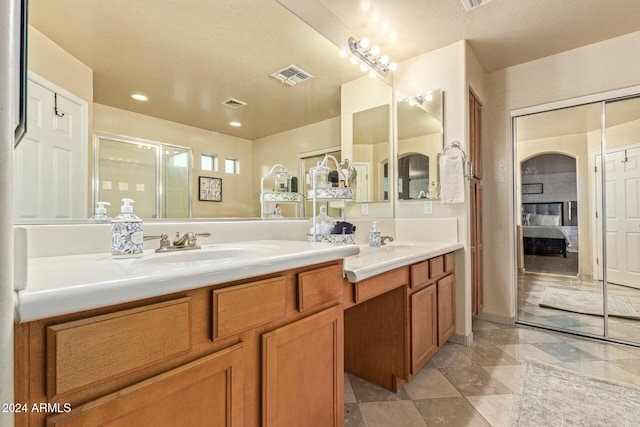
{"x": 247, "y": 338}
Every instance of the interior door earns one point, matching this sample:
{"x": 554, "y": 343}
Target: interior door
{"x": 50, "y": 163}
{"x": 623, "y": 217}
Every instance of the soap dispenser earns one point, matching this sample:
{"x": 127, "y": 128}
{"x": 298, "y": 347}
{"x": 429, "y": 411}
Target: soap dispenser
{"x": 374, "y": 236}
{"x": 101, "y": 213}
{"x": 126, "y": 233}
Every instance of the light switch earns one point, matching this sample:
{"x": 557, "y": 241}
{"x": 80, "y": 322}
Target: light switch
{"x": 428, "y": 208}
{"x": 365, "y": 209}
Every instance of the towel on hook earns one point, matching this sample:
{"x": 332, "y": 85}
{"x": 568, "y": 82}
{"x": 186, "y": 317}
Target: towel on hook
{"x": 451, "y": 179}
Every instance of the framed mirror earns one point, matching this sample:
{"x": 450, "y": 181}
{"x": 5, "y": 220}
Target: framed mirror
{"x": 420, "y": 142}
{"x": 204, "y": 67}
{"x": 371, "y": 154}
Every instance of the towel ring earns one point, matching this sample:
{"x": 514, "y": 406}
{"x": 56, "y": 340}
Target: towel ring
{"x": 467, "y": 164}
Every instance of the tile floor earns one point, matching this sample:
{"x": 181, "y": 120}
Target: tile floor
{"x": 474, "y": 386}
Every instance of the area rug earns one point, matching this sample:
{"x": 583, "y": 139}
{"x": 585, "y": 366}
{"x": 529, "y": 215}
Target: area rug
{"x": 585, "y": 302}
{"x": 551, "y": 396}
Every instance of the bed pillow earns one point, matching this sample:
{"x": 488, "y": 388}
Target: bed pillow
{"x": 544, "y": 219}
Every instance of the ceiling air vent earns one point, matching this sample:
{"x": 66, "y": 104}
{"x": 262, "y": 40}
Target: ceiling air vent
{"x": 472, "y": 4}
{"x": 234, "y": 103}
{"x": 291, "y": 75}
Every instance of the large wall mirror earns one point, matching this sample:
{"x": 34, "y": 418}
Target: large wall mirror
{"x": 371, "y": 154}
{"x": 420, "y": 142}
{"x": 205, "y": 67}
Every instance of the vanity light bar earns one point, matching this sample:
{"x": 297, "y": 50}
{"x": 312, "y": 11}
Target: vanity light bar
{"x": 371, "y": 56}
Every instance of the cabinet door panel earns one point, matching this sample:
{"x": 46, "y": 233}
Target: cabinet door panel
{"x": 303, "y": 372}
{"x": 206, "y": 392}
{"x": 446, "y": 308}
{"x": 424, "y": 330}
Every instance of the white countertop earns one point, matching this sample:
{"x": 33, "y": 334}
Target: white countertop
{"x": 68, "y": 284}
{"x": 371, "y": 262}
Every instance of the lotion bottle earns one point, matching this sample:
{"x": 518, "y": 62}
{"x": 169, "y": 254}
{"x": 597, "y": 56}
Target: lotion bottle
{"x": 374, "y": 236}
{"x": 101, "y": 213}
{"x": 126, "y": 233}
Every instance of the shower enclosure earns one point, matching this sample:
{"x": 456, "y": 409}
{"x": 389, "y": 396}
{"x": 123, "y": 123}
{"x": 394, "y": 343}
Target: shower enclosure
{"x": 577, "y": 218}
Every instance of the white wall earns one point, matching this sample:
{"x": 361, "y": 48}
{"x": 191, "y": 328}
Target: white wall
{"x": 593, "y": 69}
{"x": 445, "y": 69}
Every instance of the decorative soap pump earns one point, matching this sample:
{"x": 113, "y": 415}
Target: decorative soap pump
{"x": 126, "y": 233}
{"x": 374, "y": 236}
{"x": 101, "y": 213}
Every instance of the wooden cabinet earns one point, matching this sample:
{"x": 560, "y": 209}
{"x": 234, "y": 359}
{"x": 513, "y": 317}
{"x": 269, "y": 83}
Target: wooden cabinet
{"x": 446, "y": 289}
{"x": 303, "y": 372}
{"x": 424, "y": 327}
{"x": 263, "y": 351}
{"x": 205, "y": 392}
{"x": 398, "y": 320}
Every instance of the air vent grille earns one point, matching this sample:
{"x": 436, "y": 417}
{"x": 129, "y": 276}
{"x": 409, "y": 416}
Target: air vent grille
{"x": 472, "y": 4}
{"x": 234, "y": 103}
{"x": 291, "y": 75}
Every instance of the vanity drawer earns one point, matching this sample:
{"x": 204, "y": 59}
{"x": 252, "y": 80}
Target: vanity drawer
{"x": 436, "y": 266}
{"x": 450, "y": 262}
{"x": 241, "y": 307}
{"x": 101, "y": 348}
{"x": 320, "y": 286}
{"x": 419, "y": 274}
{"x": 380, "y": 284}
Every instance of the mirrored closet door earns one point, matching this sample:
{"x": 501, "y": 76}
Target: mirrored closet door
{"x": 578, "y": 219}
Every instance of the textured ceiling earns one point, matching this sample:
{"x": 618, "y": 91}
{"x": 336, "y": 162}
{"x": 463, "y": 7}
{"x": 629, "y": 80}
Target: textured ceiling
{"x": 188, "y": 56}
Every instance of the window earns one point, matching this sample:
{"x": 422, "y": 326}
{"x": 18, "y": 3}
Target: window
{"x": 209, "y": 162}
{"x": 231, "y": 165}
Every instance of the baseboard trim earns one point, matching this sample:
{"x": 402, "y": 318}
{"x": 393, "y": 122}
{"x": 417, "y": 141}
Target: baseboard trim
{"x": 465, "y": 340}
{"x": 495, "y": 318}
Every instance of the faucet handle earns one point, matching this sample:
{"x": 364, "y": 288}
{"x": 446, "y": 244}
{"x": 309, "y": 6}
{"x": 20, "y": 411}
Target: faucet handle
{"x": 164, "y": 241}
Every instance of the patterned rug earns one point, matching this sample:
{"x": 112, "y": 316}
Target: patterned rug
{"x": 585, "y": 302}
{"x": 552, "y": 396}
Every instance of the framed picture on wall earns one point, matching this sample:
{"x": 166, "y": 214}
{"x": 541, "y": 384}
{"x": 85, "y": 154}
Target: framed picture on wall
{"x": 532, "y": 188}
{"x": 210, "y": 189}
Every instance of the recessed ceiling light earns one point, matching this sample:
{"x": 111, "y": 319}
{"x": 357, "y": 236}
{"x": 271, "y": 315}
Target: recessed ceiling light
{"x": 139, "y": 97}
{"x": 235, "y": 124}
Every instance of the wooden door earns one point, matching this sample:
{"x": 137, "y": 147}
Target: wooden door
{"x": 476, "y": 247}
{"x": 424, "y": 327}
{"x": 446, "y": 308}
{"x": 303, "y": 372}
{"x": 206, "y": 392}
{"x": 475, "y": 136}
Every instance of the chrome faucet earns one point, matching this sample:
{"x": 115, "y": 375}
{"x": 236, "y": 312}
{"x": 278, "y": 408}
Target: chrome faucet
{"x": 383, "y": 238}
{"x": 186, "y": 242}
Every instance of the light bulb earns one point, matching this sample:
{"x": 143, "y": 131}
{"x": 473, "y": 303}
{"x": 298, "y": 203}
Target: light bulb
{"x": 429, "y": 97}
{"x": 393, "y": 66}
{"x": 384, "y": 59}
{"x": 363, "y": 68}
{"x": 354, "y": 61}
{"x": 343, "y": 54}
{"x": 375, "y": 50}
{"x": 412, "y": 102}
{"x": 372, "y": 74}
{"x": 364, "y": 43}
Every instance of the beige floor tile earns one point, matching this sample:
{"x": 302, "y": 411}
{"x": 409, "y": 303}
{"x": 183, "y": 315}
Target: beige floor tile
{"x": 387, "y": 414}
{"x": 430, "y": 384}
{"x": 495, "y": 409}
{"x": 522, "y": 351}
{"x": 507, "y": 375}
{"x": 603, "y": 350}
{"x": 474, "y": 382}
{"x": 450, "y": 412}
{"x": 349, "y": 396}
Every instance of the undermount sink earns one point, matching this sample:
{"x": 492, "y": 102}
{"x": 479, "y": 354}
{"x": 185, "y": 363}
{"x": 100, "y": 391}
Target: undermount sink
{"x": 196, "y": 255}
